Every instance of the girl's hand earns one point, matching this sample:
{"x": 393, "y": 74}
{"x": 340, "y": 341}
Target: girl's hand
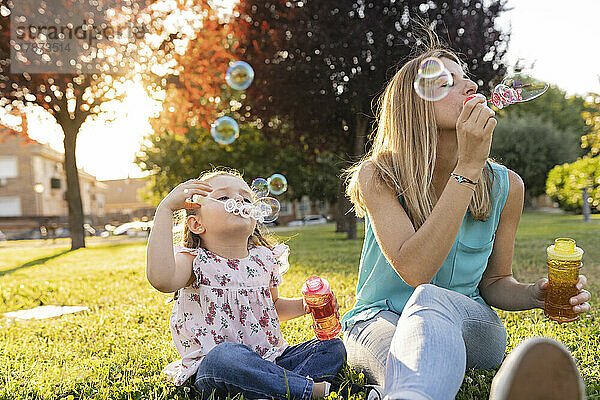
{"x": 335, "y": 305}
{"x": 579, "y": 302}
{"x": 474, "y": 128}
{"x": 175, "y": 200}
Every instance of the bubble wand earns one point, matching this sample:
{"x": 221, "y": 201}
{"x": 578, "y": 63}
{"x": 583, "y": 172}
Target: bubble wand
{"x": 265, "y": 209}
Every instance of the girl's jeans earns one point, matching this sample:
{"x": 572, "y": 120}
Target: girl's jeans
{"x": 423, "y": 353}
{"x": 232, "y": 368}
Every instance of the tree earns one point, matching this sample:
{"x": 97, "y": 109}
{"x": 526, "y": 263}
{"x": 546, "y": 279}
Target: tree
{"x": 566, "y": 182}
{"x": 591, "y": 140}
{"x": 564, "y": 112}
{"x": 173, "y": 159}
{"x": 531, "y": 146}
{"x": 72, "y": 95}
{"x": 319, "y": 64}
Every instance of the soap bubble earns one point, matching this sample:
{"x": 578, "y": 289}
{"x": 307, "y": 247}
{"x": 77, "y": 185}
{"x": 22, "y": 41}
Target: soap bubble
{"x": 526, "y": 87}
{"x": 431, "y": 67}
{"x": 260, "y": 187}
{"x": 239, "y": 75}
{"x": 225, "y": 130}
{"x": 433, "y": 88}
{"x": 277, "y": 184}
{"x": 269, "y": 209}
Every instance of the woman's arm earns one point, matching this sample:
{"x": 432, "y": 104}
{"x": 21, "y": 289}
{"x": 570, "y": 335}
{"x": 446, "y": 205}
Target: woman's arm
{"x": 287, "y": 308}
{"x": 498, "y": 287}
{"x": 418, "y": 255}
{"x": 415, "y": 255}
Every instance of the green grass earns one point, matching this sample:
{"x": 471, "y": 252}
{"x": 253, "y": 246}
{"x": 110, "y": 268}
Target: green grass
{"x": 118, "y": 348}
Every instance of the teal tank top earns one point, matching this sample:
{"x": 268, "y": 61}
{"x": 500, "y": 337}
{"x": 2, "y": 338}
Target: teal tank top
{"x": 381, "y": 288}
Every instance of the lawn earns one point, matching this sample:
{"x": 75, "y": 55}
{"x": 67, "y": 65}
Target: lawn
{"x": 118, "y": 348}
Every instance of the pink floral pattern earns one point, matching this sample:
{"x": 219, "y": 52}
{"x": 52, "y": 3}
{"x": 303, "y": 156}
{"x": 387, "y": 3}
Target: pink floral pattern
{"x": 230, "y": 301}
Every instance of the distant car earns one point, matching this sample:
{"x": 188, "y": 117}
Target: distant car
{"x": 134, "y": 228}
{"x": 314, "y": 219}
{"x": 309, "y": 220}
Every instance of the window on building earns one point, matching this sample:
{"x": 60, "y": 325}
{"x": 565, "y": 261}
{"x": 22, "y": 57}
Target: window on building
{"x": 55, "y": 183}
{"x": 10, "y": 206}
{"x": 8, "y": 167}
{"x": 304, "y": 206}
{"x": 286, "y": 208}
{"x": 323, "y": 206}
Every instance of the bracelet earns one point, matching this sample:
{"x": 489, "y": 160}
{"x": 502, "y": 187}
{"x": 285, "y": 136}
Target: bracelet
{"x": 463, "y": 180}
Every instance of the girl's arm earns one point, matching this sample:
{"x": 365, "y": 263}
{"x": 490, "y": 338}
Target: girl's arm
{"x": 288, "y": 308}
{"x": 165, "y": 271}
{"x": 293, "y": 308}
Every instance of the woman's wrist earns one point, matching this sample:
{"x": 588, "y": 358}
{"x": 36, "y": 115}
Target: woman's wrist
{"x": 470, "y": 173}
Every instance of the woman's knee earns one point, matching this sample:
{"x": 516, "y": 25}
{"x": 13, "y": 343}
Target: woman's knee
{"x": 425, "y": 295}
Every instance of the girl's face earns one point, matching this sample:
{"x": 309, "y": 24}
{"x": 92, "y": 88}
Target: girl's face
{"x": 212, "y": 215}
{"x": 448, "y": 109}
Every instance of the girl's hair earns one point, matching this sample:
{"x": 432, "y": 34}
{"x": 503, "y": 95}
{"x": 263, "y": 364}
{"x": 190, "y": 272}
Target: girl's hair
{"x": 404, "y": 146}
{"x": 192, "y": 240}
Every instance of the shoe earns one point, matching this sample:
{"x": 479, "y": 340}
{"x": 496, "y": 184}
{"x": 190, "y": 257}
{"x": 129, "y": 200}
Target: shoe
{"x": 347, "y": 388}
{"x": 538, "y": 368}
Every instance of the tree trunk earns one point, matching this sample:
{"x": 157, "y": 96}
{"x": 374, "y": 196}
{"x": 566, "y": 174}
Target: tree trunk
{"x": 340, "y": 218}
{"x": 71, "y": 128}
{"x": 358, "y": 149}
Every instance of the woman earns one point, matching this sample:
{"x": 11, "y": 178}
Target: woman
{"x": 440, "y": 224}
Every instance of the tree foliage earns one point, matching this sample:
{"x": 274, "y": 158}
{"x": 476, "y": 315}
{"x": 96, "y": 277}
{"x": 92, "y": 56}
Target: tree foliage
{"x": 531, "y": 146}
{"x": 591, "y": 140}
{"x": 566, "y": 113}
{"x": 566, "y": 182}
{"x": 320, "y": 64}
{"x": 173, "y": 159}
{"x": 76, "y": 95}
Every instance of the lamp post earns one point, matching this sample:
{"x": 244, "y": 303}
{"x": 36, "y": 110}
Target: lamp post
{"x": 39, "y": 189}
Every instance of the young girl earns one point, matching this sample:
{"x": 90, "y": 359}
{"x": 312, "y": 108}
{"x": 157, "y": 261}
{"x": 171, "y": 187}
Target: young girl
{"x": 225, "y": 320}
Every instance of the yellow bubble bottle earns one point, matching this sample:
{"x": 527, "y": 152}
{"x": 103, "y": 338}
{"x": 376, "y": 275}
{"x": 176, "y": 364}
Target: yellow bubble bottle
{"x": 564, "y": 262}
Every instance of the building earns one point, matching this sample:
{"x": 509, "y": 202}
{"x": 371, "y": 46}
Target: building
{"x": 125, "y": 200}
{"x": 33, "y": 187}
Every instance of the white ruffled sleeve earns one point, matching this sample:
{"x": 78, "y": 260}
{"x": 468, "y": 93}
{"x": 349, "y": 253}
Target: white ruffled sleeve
{"x": 181, "y": 249}
{"x": 281, "y": 252}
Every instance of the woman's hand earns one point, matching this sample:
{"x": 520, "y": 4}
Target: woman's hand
{"x": 579, "y": 302}
{"x": 474, "y": 128}
{"x": 175, "y": 200}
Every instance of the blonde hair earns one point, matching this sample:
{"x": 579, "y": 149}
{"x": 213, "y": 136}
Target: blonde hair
{"x": 404, "y": 147}
{"x": 186, "y": 238}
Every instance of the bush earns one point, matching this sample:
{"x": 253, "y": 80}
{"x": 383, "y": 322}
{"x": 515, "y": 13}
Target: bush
{"x": 531, "y": 146}
{"x": 565, "y": 184}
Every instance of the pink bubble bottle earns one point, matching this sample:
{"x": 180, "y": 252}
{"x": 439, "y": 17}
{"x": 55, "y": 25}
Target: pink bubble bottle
{"x": 318, "y": 297}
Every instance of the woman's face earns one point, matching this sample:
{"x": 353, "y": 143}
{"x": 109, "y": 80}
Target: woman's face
{"x": 448, "y": 109}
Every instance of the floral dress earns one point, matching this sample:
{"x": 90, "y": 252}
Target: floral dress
{"x": 230, "y": 301}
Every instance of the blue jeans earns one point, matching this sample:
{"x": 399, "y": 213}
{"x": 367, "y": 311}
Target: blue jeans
{"x": 424, "y": 352}
{"x": 234, "y": 368}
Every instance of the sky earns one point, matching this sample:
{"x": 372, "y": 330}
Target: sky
{"x": 559, "y": 38}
